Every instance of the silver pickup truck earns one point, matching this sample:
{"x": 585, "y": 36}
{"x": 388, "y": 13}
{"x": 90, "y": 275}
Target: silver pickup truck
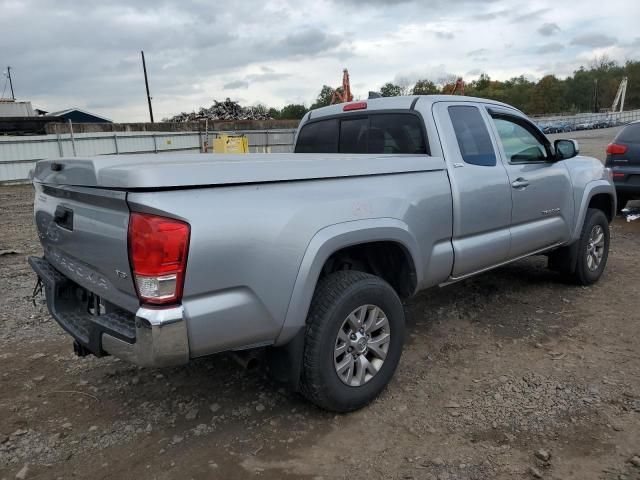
{"x": 305, "y": 257}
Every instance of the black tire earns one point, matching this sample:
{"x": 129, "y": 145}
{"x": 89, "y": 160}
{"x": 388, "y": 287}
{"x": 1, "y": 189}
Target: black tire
{"x": 336, "y": 296}
{"x": 582, "y": 274}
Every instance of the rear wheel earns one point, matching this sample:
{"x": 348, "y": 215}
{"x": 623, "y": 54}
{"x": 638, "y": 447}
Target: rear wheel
{"x": 354, "y": 340}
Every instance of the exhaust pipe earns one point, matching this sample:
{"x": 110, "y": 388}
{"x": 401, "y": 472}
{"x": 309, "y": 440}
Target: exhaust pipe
{"x": 247, "y": 359}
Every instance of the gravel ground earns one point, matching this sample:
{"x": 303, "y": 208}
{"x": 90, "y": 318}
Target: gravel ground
{"x": 513, "y": 374}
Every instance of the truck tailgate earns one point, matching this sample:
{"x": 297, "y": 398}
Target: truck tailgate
{"x": 83, "y": 231}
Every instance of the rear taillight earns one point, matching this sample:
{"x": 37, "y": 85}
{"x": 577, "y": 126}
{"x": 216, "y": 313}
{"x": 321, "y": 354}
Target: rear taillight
{"x": 354, "y": 106}
{"x": 158, "y": 248}
{"x": 615, "y": 149}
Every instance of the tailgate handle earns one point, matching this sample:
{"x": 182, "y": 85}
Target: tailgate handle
{"x": 63, "y": 216}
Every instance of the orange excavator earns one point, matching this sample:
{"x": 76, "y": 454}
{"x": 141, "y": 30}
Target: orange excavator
{"x": 458, "y": 87}
{"x": 344, "y": 95}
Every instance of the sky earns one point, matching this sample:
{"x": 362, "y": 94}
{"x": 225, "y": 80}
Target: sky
{"x": 86, "y": 53}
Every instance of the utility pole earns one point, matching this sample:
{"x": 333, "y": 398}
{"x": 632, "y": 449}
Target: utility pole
{"x": 13, "y": 97}
{"x": 146, "y": 84}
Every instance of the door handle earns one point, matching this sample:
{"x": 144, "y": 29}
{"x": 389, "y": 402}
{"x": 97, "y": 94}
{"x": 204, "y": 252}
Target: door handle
{"x": 520, "y": 183}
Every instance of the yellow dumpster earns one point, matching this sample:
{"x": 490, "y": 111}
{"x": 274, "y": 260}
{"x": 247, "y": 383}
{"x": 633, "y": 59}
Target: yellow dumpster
{"x": 231, "y": 144}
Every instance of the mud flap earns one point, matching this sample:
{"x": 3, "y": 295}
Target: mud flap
{"x": 284, "y": 364}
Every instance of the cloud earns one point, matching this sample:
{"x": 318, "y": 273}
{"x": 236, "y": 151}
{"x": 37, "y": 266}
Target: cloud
{"x": 277, "y": 52}
{"x": 549, "y": 48}
{"x": 525, "y": 17}
{"x": 383, "y": 3}
{"x": 491, "y": 15}
{"x": 548, "y": 29}
{"x": 235, "y": 85}
{"x": 443, "y": 35}
{"x": 266, "y": 77}
{"x": 477, "y": 52}
{"x": 309, "y": 41}
{"x": 593, "y": 40}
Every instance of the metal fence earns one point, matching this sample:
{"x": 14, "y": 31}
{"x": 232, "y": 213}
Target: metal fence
{"x": 587, "y": 121}
{"x": 19, "y": 154}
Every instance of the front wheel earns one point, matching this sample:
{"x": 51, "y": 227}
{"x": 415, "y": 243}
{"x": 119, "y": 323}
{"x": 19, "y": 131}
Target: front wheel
{"x": 584, "y": 261}
{"x": 593, "y": 248}
{"x": 355, "y": 334}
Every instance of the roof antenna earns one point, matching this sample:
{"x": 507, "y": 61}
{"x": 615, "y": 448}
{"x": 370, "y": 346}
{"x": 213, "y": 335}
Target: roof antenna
{"x": 373, "y": 95}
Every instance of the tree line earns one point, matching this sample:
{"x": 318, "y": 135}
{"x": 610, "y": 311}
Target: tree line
{"x": 589, "y": 89}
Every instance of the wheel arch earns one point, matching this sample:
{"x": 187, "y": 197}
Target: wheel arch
{"x": 598, "y": 194}
{"x": 604, "y": 202}
{"x": 340, "y": 237}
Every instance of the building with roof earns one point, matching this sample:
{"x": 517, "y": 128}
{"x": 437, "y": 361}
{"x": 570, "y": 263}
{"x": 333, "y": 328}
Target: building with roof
{"x": 11, "y": 108}
{"x": 77, "y": 115}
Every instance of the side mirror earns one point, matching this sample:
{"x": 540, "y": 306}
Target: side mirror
{"x": 566, "y": 149}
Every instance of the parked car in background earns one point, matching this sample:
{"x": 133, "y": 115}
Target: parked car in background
{"x": 584, "y": 125}
{"x": 623, "y": 157}
{"x": 564, "y": 127}
{"x": 554, "y": 127}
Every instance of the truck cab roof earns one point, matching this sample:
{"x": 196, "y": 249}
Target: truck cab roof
{"x": 405, "y": 102}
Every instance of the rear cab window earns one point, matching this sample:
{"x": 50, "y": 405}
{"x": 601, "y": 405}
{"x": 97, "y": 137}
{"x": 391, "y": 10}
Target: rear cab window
{"x": 472, "y": 135}
{"x": 318, "y": 137}
{"x": 378, "y": 133}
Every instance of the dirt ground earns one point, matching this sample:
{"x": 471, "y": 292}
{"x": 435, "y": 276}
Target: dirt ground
{"x": 513, "y": 374}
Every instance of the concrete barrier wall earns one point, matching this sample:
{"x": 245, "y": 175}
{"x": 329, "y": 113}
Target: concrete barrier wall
{"x": 19, "y": 154}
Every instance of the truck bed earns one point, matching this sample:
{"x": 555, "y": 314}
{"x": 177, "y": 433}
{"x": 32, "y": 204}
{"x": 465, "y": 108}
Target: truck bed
{"x": 162, "y": 171}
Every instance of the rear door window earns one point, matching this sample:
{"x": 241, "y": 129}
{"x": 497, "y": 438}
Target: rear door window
{"x": 385, "y": 133}
{"x": 318, "y": 137}
{"x": 472, "y": 135}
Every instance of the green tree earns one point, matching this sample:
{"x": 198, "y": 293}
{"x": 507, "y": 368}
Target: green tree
{"x": 293, "y": 112}
{"x": 484, "y": 82}
{"x": 632, "y": 71}
{"x": 425, "y": 87}
{"x": 549, "y": 96}
{"x": 390, "y": 90}
{"x": 274, "y": 113}
{"x": 324, "y": 97}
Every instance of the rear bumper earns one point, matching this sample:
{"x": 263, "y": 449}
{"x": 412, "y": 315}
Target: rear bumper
{"x": 161, "y": 339}
{"x": 626, "y": 179}
{"x": 631, "y": 191}
{"x": 150, "y": 338}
